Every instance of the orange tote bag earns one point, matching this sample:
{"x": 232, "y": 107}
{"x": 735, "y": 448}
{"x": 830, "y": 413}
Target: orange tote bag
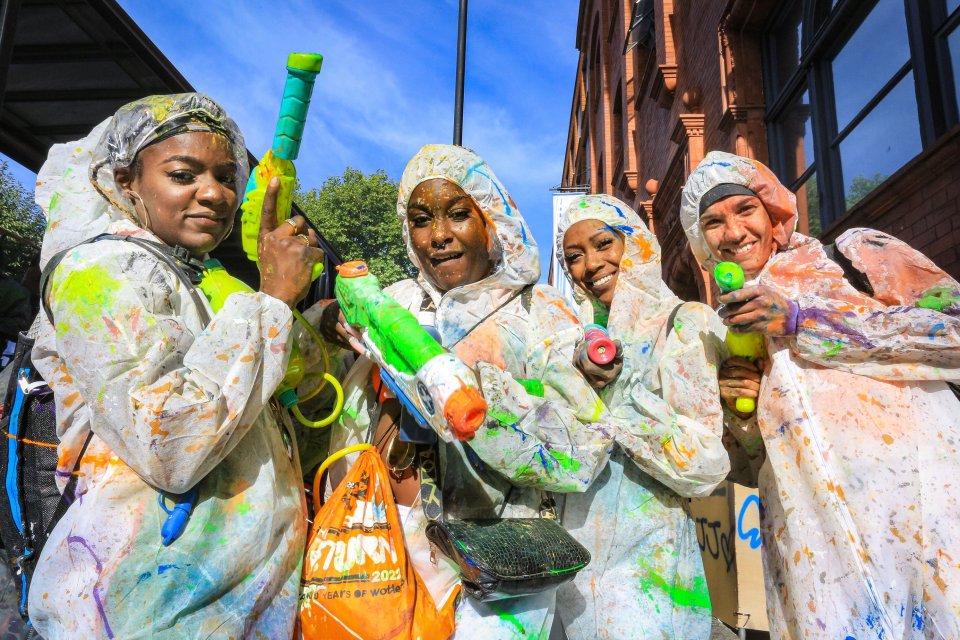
{"x": 358, "y": 582}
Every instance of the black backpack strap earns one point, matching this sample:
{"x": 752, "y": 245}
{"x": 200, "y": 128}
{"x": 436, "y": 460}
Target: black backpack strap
{"x": 187, "y": 270}
{"x": 70, "y": 491}
{"x": 671, "y": 318}
{"x": 857, "y": 278}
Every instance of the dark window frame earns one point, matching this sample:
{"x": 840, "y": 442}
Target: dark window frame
{"x": 825, "y": 31}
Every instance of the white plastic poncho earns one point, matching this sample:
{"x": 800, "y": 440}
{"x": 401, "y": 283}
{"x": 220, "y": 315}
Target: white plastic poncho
{"x": 552, "y": 443}
{"x": 646, "y": 579}
{"x": 171, "y": 405}
{"x": 859, "y": 498}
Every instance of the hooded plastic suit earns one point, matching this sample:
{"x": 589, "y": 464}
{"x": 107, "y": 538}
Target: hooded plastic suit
{"x": 858, "y": 491}
{"x": 528, "y": 443}
{"x": 171, "y": 405}
{"x": 646, "y": 579}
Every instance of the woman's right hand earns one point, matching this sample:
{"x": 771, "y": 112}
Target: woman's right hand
{"x": 739, "y": 378}
{"x": 335, "y": 329}
{"x": 598, "y": 375}
{"x": 286, "y": 251}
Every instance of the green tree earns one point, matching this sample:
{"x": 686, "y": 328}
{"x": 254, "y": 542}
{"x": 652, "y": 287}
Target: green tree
{"x": 21, "y": 225}
{"x": 356, "y": 213}
{"x": 860, "y": 186}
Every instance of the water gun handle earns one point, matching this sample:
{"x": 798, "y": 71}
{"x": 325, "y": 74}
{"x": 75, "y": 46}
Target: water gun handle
{"x": 176, "y": 522}
{"x": 730, "y": 277}
{"x": 600, "y": 348}
{"x": 302, "y": 70}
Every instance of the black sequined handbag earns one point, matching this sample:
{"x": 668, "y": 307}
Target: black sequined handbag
{"x": 500, "y": 557}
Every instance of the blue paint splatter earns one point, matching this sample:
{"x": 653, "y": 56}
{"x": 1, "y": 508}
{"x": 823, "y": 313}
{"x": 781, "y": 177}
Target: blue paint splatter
{"x": 143, "y": 576}
{"x": 934, "y": 330}
{"x": 614, "y": 207}
{"x": 506, "y": 201}
{"x": 721, "y": 164}
{"x": 165, "y": 567}
{"x": 753, "y": 535}
{"x": 918, "y": 613}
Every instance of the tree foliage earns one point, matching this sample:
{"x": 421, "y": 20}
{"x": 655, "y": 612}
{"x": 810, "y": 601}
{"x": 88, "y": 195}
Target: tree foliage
{"x": 356, "y": 213}
{"x": 860, "y": 186}
{"x": 21, "y": 225}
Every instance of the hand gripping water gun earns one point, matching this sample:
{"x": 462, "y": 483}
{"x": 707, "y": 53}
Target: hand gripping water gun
{"x": 217, "y": 285}
{"x": 729, "y": 277}
{"x": 302, "y": 70}
{"x": 437, "y": 388}
{"x": 600, "y": 348}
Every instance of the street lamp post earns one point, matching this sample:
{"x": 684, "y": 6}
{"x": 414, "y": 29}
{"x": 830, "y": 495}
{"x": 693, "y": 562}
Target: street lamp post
{"x": 461, "y": 62}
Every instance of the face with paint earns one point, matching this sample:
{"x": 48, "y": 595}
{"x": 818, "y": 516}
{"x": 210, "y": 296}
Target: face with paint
{"x": 592, "y": 251}
{"x": 184, "y": 189}
{"x": 449, "y": 234}
{"x": 738, "y": 229}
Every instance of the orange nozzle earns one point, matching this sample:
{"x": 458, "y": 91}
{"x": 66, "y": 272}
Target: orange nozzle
{"x": 465, "y": 411}
{"x": 384, "y": 393}
{"x": 353, "y": 269}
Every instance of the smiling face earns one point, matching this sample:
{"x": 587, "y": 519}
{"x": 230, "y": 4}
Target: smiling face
{"x": 738, "y": 229}
{"x": 448, "y": 233}
{"x": 592, "y": 252}
{"x": 184, "y": 188}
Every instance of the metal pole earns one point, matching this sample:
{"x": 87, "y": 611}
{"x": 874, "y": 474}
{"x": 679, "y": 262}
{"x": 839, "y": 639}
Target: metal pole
{"x": 461, "y": 62}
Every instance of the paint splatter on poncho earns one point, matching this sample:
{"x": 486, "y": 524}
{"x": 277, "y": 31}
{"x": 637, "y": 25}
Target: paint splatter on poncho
{"x": 556, "y": 442}
{"x": 859, "y": 489}
{"x": 171, "y": 405}
{"x": 646, "y": 579}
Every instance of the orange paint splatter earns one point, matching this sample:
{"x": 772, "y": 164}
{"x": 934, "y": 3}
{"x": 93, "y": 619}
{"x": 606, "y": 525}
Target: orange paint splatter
{"x": 71, "y": 399}
{"x": 888, "y": 438}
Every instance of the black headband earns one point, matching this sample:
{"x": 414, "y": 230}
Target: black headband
{"x": 722, "y": 191}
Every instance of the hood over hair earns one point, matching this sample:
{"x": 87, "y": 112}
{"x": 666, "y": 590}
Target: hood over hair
{"x": 76, "y": 188}
{"x": 513, "y": 251}
{"x": 642, "y": 301}
{"x": 725, "y": 168}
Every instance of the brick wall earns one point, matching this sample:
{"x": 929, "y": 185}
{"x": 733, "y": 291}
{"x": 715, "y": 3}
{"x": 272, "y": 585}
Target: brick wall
{"x": 707, "y": 61}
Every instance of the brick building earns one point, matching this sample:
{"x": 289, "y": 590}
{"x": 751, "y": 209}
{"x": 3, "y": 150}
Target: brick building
{"x": 852, "y": 103}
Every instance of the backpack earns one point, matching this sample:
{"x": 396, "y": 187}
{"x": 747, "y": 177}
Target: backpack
{"x": 30, "y": 502}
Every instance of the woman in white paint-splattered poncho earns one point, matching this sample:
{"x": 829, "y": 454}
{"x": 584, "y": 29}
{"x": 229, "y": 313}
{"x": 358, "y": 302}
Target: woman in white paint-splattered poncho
{"x": 478, "y": 265}
{"x": 647, "y": 578}
{"x": 859, "y": 491}
{"x": 157, "y": 403}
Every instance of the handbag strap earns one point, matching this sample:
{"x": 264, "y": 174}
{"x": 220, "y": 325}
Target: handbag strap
{"x": 431, "y": 494}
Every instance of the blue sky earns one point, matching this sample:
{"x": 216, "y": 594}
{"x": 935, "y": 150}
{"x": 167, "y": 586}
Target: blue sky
{"x": 387, "y": 84}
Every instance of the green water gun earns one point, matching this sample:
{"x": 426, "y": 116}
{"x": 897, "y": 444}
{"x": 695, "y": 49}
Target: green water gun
{"x": 302, "y": 70}
{"x": 729, "y": 277}
{"x": 217, "y": 285}
{"x": 436, "y": 387}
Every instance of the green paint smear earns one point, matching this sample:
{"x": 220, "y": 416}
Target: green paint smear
{"x": 512, "y": 619}
{"x": 87, "y": 293}
{"x": 835, "y": 348}
{"x": 698, "y": 596}
{"x": 503, "y": 417}
{"x": 565, "y": 461}
{"x": 938, "y": 298}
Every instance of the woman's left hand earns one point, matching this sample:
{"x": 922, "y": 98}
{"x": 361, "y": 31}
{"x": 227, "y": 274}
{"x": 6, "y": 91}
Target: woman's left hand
{"x": 598, "y": 375}
{"x": 758, "y": 309}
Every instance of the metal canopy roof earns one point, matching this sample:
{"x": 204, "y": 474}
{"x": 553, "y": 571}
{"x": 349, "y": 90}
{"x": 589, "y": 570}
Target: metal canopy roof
{"x": 66, "y": 65}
